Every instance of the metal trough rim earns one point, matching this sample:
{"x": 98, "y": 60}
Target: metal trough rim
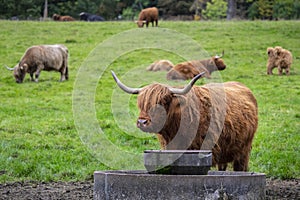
{"x": 177, "y": 151}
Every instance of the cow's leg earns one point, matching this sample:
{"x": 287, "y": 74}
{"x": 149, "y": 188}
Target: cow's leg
{"x": 31, "y": 76}
{"x": 37, "y": 74}
{"x": 270, "y": 68}
{"x": 38, "y": 71}
{"x": 156, "y": 23}
{"x": 222, "y": 167}
{"x": 241, "y": 163}
{"x": 287, "y": 70}
{"x": 279, "y": 71}
{"x": 63, "y": 73}
{"x": 62, "y": 76}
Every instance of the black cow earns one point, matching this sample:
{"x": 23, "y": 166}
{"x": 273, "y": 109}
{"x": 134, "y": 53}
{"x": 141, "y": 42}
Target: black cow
{"x": 90, "y": 17}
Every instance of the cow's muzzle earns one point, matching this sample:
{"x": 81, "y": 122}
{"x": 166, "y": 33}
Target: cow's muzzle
{"x": 222, "y": 68}
{"x": 142, "y": 123}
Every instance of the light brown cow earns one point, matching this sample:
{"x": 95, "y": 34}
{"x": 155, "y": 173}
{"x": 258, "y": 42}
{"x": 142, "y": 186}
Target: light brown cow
{"x": 160, "y": 65}
{"x": 42, "y": 57}
{"x": 188, "y": 70}
{"x": 218, "y": 117}
{"x": 148, "y": 15}
{"x": 280, "y": 58}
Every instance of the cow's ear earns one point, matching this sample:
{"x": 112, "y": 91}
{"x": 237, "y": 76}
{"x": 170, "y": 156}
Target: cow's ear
{"x": 24, "y": 66}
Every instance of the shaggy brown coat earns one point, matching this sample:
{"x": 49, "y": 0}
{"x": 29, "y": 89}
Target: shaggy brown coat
{"x": 42, "y": 57}
{"x": 221, "y": 117}
{"x": 280, "y": 58}
{"x": 148, "y": 15}
{"x": 188, "y": 70}
{"x": 57, "y": 17}
{"x": 160, "y": 65}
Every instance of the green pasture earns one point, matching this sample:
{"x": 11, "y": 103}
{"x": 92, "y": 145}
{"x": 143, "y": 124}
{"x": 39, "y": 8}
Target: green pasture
{"x": 48, "y": 133}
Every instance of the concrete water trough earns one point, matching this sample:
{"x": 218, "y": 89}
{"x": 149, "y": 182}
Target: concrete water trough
{"x": 140, "y": 185}
{"x": 169, "y": 177}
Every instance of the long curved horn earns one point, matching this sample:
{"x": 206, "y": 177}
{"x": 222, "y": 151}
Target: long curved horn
{"x": 187, "y": 88}
{"x": 124, "y": 87}
{"x": 9, "y": 68}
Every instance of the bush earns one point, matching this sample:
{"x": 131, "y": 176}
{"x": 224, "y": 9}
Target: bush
{"x": 215, "y": 10}
{"x": 283, "y": 9}
{"x": 296, "y": 9}
{"x": 128, "y": 14}
{"x": 253, "y": 11}
{"x": 264, "y": 9}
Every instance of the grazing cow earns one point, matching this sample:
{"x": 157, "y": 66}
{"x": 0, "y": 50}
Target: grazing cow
{"x": 280, "y": 58}
{"x": 42, "y": 57}
{"x": 146, "y": 16}
{"x": 90, "y": 17}
{"x": 221, "y": 117}
{"x": 66, "y": 18}
{"x": 189, "y": 69}
{"x": 160, "y": 65}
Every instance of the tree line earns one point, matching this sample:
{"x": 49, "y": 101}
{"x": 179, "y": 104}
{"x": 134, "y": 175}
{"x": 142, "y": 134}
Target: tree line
{"x": 168, "y": 9}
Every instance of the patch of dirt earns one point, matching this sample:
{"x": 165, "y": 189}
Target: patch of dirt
{"x": 45, "y": 191}
{"x": 283, "y": 189}
{"x": 275, "y": 189}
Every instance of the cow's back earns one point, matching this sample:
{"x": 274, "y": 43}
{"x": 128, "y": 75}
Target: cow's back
{"x": 187, "y": 70}
{"x": 149, "y": 14}
{"x": 236, "y": 96}
{"x": 54, "y": 56}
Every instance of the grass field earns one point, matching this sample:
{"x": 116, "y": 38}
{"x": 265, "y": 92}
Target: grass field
{"x": 43, "y": 133}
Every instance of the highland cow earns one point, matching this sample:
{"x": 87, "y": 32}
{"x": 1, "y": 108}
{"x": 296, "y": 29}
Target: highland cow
{"x": 280, "y": 58}
{"x": 42, "y": 57}
{"x": 57, "y": 17}
{"x": 90, "y": 17}
{"x": 160, "y": 65}
{"x": 218, "y": 117}
{"x": 146, "y": 16}
{"x": 188, "y": 70}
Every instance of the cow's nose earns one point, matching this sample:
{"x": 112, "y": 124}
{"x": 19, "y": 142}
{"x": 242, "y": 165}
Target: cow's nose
{"x": 142, "y": 122}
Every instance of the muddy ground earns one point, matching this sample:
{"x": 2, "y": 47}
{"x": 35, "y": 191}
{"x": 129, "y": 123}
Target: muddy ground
{"x": 275, "y": 189}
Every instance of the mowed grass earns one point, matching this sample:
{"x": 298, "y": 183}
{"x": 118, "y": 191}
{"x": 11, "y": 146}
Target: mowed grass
{"x": 38, "y": 134}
